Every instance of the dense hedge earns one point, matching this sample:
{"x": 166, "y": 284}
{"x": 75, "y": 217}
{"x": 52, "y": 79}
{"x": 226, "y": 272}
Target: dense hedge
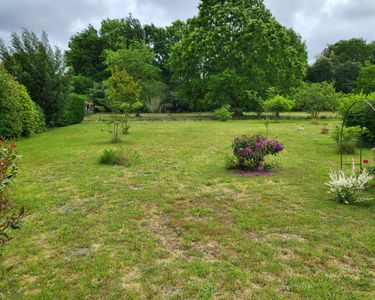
{"x": 73, "y": 111}
{"x": 40, "y": 120}
{"x": 19, "y": 115}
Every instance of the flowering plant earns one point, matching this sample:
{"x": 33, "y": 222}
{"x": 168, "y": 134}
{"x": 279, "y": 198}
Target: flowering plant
{"x": 347, "y": 188}
{"x": 250, "y": 150}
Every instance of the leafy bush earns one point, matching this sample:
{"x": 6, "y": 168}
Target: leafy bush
{"x": 223, "y": 113}
{"x": 119, "y": 157}
{"x": 10, "y": 216}
{"x": 366, "y": 79}
{"x": 122, "y": 96}
{"x": 73, "y": 111}
{"x": 350, "y": 138}
{"x": 278, "y": 104}
{"x": 40, "y": 120}
{"x": 251, "y": 150}
{"x": 315, "y": 98}
{"x": 19, "y": 115}
{"x": 361, "y": 114}
{"x": 348, "y": 188}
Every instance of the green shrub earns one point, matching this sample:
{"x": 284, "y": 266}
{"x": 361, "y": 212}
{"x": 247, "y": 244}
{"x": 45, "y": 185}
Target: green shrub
{"x": 18, "y": 113}
{"x": 360, "y": 114}
{"x": 10, "y": 122}
{"x": 366, "y": 79}
{"x": 223, "y": 113}
{"x": 278, "y": 104}
{"x": 76, "y": 108}
{"x": 350, "y": 138}
{"x": 40, "y": 120}
{"x": 28, "y": 112}
{"x": 119, "y": 157}
{"x": 73, "y": 111}
{"x": 315, "y": 98}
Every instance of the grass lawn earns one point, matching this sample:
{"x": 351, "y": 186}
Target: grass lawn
{"x": 177, "y": 225}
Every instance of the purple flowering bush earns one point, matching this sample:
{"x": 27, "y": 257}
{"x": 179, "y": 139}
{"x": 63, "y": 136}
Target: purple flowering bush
{"x": 250, "y": 151}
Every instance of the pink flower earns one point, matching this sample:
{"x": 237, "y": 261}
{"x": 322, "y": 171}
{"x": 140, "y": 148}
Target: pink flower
{"x": 365, "y": 161}
{"x": 248, "y": 150}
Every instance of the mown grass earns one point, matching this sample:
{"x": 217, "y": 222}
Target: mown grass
{"x": 177, "y": 225}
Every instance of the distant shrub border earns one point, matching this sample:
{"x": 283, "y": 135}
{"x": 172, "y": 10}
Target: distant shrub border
{"x": 223, "y": 113}
{"x": 249, "y": 152}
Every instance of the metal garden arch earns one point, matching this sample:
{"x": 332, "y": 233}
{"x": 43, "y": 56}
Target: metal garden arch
{"x": 363, "y": 117}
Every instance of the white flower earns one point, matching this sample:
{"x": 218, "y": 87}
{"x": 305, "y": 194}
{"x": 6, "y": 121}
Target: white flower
{"x": 347, "y": 187}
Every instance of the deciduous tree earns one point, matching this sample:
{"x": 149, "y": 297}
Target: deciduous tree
{"x": 240, "y": 38}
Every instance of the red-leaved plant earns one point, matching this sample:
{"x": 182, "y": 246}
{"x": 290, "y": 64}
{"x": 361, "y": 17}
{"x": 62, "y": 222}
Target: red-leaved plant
{"x": 10, "y": 216}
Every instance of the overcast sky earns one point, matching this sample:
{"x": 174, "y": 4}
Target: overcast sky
{"x": 319, "y": 22}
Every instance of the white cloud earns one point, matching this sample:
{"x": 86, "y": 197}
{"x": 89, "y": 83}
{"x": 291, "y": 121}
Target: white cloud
{"x": 322, "y": 22}
{"x": 319, "y": 22}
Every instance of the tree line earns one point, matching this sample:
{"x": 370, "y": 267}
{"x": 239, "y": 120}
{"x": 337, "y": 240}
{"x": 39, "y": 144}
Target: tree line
{"x": 232, "y": 53}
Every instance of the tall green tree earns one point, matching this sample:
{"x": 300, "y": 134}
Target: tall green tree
{"x": 85, "y": 55}
{"x": 139, "y": 62}
{"x": 315, "y": 98}
{"x": 121, "y": 33}
{"x": 346, "y": 75}
{"x": 340, "y": 63}
{"x": 161, "y": 40}
{"x": 355, "y": 50}
{"x": 122, "y": 92}
{"x": 366, "y": 79}
{"x": 122, "y": 96}
{"x": 33, "y": 62}
{"x": 322, "y": 70}
{"x": 239, "y": 40}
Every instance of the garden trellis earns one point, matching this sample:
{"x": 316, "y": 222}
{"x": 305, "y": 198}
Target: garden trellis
{"x": 366, "y": 112}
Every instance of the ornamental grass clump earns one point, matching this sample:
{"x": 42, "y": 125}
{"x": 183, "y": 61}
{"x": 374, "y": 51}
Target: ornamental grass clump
{"x": 348, "y": 188}
{"x": 119, "y": 157}
{"x": 250, "y": 151}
